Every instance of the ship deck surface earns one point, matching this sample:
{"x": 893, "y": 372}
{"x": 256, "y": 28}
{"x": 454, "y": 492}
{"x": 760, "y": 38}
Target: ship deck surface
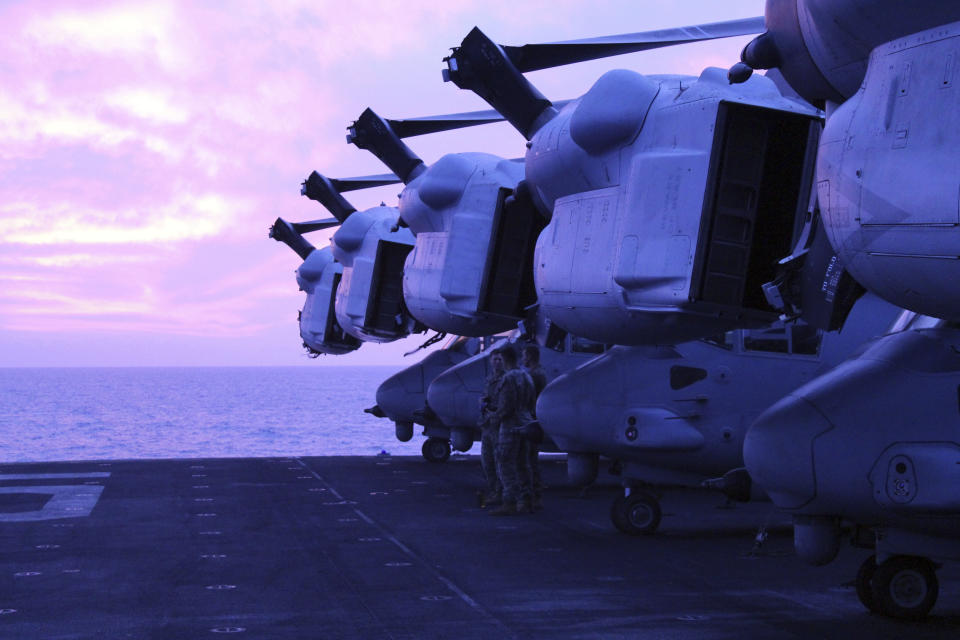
{"x": 397, "y": 547}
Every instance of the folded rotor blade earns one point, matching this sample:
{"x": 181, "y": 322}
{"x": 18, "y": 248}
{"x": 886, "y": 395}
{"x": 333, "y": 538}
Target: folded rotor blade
{"x": 409, "y": 127}
{"x": 363, "y": 182}
{"x": 314, "y": 225}
{"x": 531, "y": 57}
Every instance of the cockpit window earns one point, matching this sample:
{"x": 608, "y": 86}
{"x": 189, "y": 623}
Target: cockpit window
{"x": 798, "y": 338}
{"x": 805, "y": 340}
{"x": 770, "y": 340}
{"x": 489, "y": 341}
{"x": 681, "y": 376}
{"x": 911, "y": 320}
{"x": 556, "y": 338}
{"x": 582, "y": 345}
{"x": 723, "y": 340}
{"x": 464, "y": 344}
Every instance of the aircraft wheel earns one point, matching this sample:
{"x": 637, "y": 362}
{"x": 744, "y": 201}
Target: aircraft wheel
{"x": 637, "y": 514}
{"x": 865, "y": 584}
{"x": 905, "y": 587}
{"x": 436, "y": 449}
{"x": 618, "y": 513}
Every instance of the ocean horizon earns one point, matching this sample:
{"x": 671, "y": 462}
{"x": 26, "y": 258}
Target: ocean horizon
{"x": 138, "y": 412}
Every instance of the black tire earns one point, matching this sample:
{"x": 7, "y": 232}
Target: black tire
{"x": 618, "y": 513}
{"x": 641, "y": 514}
{"x": 436, "y": 449}
{"x": 905, "y": 587}
{"x": 865, "y": 584}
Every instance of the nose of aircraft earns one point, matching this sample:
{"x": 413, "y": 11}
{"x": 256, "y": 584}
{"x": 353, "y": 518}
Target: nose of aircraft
{"x": 402, "y": 393}
{"x": 574, "y": 408}
{"x": 778, "y": 450}
{"x": 455, "y": 394}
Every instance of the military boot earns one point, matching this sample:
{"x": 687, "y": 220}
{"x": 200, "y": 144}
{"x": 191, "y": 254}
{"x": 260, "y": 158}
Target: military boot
{"x": 490, "y": 499}
{"x": 506, "y": 509}
{"x": 524, "y": 506}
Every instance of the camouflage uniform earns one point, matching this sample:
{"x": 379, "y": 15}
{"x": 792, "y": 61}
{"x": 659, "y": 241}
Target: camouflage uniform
{"x": 514, "y": 398}
{"x": 488, "y": 437}
{"x": 539, "y": 378}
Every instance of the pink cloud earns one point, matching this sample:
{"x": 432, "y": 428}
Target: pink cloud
{"x": 145, "y": 147}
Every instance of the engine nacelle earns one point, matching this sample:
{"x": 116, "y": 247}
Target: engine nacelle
{"x": 372, "y": 249}
{"x": 822, "y": 46}
{"x": 319, "y": 277}
{"x": 469, "y": 272}
{"x": 888, "y": 172}
{"x": 670, "y": 216}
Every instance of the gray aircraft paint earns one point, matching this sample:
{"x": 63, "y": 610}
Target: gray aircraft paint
{"x": 624, "y": 175}
{"x": 454, "y": 396}
{"x": 860, "y": 443}
{"x": 865, "y": 458}
{"x": 451, "y": 208}
{"x": 888, "y": 174}
{"x": 402, "y": 397}
{"x": 620, "y": 259}
{"x": 318, "y": 278}
{"x": 633, "y": 404}
{"x": 359, "y": 245}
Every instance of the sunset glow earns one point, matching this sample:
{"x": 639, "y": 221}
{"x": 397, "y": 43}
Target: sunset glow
{"x": 145, "y": 148}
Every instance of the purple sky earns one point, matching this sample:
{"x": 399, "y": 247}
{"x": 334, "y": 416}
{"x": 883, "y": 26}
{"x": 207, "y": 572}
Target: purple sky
{"x": 145, "y": 148}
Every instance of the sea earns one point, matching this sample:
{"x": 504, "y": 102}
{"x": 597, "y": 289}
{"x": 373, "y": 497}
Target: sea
{"x": 54, "y": 414}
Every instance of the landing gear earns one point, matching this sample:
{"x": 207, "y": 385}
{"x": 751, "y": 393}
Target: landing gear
{"x": 903, "y": 587}
{"x": 636, "y": 514}
{"x": 436, "y": 449}
{"x": 865, "y": 584}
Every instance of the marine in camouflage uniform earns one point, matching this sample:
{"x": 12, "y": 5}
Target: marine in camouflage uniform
{"x": 531, "y": 362}
{"x": 489, "y": 425}
{"x": 514, "y": 397}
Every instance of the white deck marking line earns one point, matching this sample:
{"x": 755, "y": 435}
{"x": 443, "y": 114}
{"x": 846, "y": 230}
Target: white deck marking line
{"x": 364, "y": 516}
{"x": 66, "y": 501}
{"x": 52, "y": 476}
{"x": 318, "y": 477}
{"x": 473, "y": 604}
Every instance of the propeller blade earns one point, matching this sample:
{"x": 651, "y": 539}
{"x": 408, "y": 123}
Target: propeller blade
{"x": 531, "y": 57}
{"x": 314, "y": 225}
{"x": 363, "y": 182}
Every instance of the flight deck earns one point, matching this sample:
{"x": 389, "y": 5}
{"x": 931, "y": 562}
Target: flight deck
{"x": 397, "y": 547}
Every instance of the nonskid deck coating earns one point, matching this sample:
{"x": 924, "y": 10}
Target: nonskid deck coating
{"x": 396, "y": 547}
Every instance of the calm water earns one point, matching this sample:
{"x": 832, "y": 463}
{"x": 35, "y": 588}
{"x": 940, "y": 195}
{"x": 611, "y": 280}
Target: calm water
{"x": 87, "y": 414}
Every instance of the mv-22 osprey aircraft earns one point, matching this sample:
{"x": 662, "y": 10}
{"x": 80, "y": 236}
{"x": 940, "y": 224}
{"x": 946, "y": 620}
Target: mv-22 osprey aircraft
{"x": 319, "y": 275}
{"x": 475, "y": 219}
{"x": 871, "y": 450}
{"x": 729, "y": 244}
{"x": 886, "y": 185}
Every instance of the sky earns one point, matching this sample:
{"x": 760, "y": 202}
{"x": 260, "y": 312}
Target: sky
{"x": 146, "y": 147}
